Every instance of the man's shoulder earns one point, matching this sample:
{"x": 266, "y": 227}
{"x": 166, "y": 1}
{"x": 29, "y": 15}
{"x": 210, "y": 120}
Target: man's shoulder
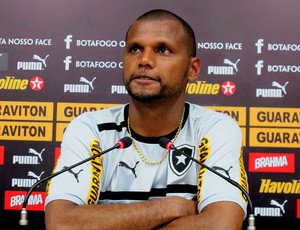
{"x": 105, "y": 114}
{"x": 201, "y": 111}
{"x": 209, "y": 116}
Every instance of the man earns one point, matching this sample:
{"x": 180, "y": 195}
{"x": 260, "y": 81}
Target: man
{"x": 144, "y": 186}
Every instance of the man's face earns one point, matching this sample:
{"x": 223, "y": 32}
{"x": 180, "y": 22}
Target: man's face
{"x": 156, "y": 61}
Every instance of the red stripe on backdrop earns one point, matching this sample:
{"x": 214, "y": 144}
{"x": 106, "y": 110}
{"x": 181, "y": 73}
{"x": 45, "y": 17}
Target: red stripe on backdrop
{"x": 1, "y": 155}
{"x": 298, "y": 209}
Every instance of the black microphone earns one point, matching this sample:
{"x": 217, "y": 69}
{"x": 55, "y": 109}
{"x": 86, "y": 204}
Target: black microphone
{"x": 167, "y": 144}
{"x": 121, "y": 144}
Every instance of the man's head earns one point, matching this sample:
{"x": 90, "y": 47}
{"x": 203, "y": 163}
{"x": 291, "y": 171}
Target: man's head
{"x": 159, "y": 57}
{"x": 160, "y": 15}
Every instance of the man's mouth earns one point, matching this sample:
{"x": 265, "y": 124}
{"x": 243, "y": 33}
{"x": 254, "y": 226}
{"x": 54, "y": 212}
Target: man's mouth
{"x": 144, "y": 79}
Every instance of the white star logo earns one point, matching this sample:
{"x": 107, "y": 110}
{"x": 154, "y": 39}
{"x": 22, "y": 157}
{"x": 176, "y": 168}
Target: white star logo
{"x": 228, "y": 88}
{"x": 181, "y": 159}
{"x": 36, "y": 83}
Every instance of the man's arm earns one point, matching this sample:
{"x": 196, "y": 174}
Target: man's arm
{"x": 216, "y": 216}
{"x": 62, "y": 214}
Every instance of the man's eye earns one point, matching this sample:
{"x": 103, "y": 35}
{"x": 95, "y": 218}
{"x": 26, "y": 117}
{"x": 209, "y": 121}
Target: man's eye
{"x": 164, "y": 50}
{"x": 134, "y": 49}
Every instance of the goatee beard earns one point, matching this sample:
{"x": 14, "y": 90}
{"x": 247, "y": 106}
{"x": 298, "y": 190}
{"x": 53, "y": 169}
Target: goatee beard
{"x": 141, "y": 97}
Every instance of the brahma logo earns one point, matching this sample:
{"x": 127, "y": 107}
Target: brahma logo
{"x": 14, "y": 200}
{"x": 272, "y": 162}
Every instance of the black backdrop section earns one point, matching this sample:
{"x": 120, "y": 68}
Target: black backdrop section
{"x": 61, "y": 58}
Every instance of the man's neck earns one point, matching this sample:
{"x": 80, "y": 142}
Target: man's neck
{"x": 151, "y": 120}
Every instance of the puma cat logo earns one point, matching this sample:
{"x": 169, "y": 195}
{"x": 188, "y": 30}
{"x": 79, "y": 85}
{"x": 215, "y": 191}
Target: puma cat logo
{"x": 123, "y": 164}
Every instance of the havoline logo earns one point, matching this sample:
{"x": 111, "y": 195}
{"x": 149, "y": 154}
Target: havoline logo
{"x": 12, "y": 83}
{"x": 202, "y": 87}
{"x": 279, "y": 187}
{"x": 228, "y": 88}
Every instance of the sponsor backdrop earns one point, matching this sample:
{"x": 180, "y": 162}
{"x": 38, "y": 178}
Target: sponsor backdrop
{"x": 64, "y": 57}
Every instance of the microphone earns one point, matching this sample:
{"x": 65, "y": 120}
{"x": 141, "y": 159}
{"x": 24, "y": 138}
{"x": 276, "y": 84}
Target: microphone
{"x": 121, "y": 144}
{"x": 167, "y": 144}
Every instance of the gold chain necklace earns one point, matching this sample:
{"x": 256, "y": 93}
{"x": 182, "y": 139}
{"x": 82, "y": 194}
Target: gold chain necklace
{"x": 142, "y": 156}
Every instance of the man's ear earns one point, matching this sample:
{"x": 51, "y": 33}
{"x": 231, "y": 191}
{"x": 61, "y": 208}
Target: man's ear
{"x": 194, "y": 70}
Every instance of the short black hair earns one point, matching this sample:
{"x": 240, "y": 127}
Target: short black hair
{"x": 160, "y": 14}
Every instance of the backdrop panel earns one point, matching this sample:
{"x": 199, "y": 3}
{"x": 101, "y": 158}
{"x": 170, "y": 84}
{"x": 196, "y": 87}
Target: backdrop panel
{"x": 61, "y": 58}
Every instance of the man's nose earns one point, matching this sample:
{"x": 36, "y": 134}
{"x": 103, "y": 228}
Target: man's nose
{"x": 147, "y": 58}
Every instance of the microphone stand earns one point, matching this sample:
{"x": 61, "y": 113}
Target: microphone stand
{"x": 167, "y": 144}
{"x": 122, "y": 143}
